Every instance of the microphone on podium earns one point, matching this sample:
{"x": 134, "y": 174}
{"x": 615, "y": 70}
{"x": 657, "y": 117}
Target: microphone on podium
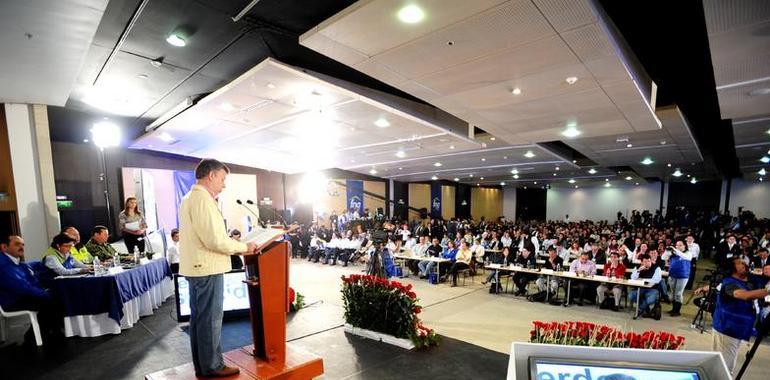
{"x": 261, "y": 223}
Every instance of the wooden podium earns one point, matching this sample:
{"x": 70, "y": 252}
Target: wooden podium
{"x": 270, "y": 357}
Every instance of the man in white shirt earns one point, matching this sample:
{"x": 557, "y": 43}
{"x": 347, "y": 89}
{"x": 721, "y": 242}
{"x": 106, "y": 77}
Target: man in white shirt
{"x": 173, "y": 251}
{"x": 694, "y": 249}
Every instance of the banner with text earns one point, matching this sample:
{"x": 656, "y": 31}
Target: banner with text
{"x": 355, "y": 191}
{"x": 435, "y": 200}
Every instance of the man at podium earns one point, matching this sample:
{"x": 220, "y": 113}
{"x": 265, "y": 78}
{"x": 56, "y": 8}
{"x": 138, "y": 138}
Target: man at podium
{"x": 205, "y": 248}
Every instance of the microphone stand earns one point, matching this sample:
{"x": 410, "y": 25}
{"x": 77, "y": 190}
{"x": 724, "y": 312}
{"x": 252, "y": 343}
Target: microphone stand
{"x": 259, "y": 221}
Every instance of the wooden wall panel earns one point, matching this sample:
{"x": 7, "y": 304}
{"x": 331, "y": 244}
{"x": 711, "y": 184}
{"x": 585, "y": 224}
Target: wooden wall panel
{"x": 486, "y": 202}
{"x": 448, "y": 202}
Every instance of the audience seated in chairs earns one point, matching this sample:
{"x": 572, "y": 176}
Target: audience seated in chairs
{"x": 317, "y": 246}
{"x": 462, "y": 261}
{"x": 613, "y": 269}
{"x": 648, "y": 297}
{"x": 525, "y": 259}
{"x": 554, "y": 263}
{"x": 434, "y": 250}
{"x": 21, "y": 290}
{"x": 503, "y": 258}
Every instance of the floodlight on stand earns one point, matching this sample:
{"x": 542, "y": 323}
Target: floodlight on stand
{"x": 105, "y": 134}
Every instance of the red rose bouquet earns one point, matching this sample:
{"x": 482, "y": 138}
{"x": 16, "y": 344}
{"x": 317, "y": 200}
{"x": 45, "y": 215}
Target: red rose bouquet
{"x": 574, "y": 333}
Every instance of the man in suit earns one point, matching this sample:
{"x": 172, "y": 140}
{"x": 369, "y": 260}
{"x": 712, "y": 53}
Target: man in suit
{"x": 205, "y": 250}
{"x": 726, "y": 250}
{"x": 761, "y": 259}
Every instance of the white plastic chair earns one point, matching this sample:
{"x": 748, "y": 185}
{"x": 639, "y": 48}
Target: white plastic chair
{"x": 22, "y": 313}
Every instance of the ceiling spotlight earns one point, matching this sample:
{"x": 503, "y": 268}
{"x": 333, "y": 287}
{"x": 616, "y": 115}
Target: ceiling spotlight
{"x": 434, "y": 178}
{"x": 502, "y": 183}
{"x": 482, "y": 178}
{"x": 760, "y": 179}
{"x": 662, "y": 142}
{"x": 157, "y": 62}
{"x": 505, "y": 157}
{"x": 516, "y": 91}
{"x": 382, "y": 123}
{"x": 592, "y": 171}
{"x": 628, "y": 178}
{"x": 571, "y": 80}
{"x": 571, "y": 181}
{"x": 647, "y": 161}
{"x": 554, "y": 174}
{"x": 227, "y": 107}
{"x": 470, "y": 175}
{"x": 457, "y": 179}
{"x": 607, "y": 184}
{"x": 176, "y": 40}
{"x": 762, "y": 171}
{"x": 483, "y": 159}
{"x": 478, "y": 184}
{"x": 451, "y": 147}
{"x": 515, "y": 171}
{"x": 85, "y": 141}
{"x": 515, "y": 176}
{"x": 765, "y": 159}
{"x": 574, "y": 161}
{"x": 571, "y": 132}
{"x": 400, "y": 154}
{"x": 492, "y": 138}
{"x": 557, "y": 168}
{"x": 693, "y": 180}
{"x": 629, "y": 145}
{"x": 529, "y": 154}
{"x": 437, "y": 164}
{"x": 142, "y": 76}
{"x": 637, "y": 184}
{"x": 677, "y": 173}
{"x": 668, "y": 165}
{"x": 270, "y": 85}
{"x": 372, "y": 172}
{"x": 525, "y": 187}
{"x": 411, "y": 14}
{"x": 400, "y": 168}
{"x": 688, "y": 176}
{"x": 759, "y": 92}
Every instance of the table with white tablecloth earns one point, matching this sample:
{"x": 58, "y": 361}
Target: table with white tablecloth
{"x": 99, "y": 305}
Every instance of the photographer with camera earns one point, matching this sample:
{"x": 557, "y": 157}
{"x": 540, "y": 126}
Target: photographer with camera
{"x": 679, "y": 258}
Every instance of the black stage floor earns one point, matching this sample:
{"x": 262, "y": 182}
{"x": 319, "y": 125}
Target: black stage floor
{"x": 159, "y": 342}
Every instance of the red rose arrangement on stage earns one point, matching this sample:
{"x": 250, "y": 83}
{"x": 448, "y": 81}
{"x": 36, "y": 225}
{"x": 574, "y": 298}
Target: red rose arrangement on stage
{"x": 589, "y": 334}
{"x": 384, "y": 306}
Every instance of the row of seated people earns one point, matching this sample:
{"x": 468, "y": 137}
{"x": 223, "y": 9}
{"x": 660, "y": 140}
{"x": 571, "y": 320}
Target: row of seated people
{"x": 26, "y": 286}
{"x": 346, "y": 249}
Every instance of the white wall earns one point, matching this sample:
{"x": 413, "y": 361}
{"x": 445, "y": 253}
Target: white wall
{"x": 600, "y": 203}
{"x": 751, "y": 195}
{"x": 509, "y": 203}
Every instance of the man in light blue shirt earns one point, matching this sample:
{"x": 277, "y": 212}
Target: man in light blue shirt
{"x": 649, "y": 296}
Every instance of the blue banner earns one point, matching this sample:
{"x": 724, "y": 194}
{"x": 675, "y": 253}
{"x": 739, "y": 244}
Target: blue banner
{"x": 435, "y": 200}
{"x": 183, "y": 182}
{"x": 355, "y": 192}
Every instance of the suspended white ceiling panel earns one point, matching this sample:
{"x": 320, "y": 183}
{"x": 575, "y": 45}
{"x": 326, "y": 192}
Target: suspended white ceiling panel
{"x": 466, "y": 57}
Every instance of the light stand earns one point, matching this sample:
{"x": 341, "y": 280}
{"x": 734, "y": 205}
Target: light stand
{"x": 105, "y": 134}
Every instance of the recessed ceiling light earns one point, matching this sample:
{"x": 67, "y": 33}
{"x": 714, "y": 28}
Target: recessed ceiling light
{"x": 571, "y": 132}
{"x": 400, "y": 154}
{"x": 693, "y": 180}
{"x": 557, "y": 168}
{"x": 765, "y": 159}
{"x": 270, "y": 85}
{"x": 515, "y": 176}
{"x": 176, "y": 40}
{"x": 437, "y": 164}
{"x": 688, "y": 176}
{"x": 629, "y": 145}
{"x": 574, "y": 161}
{"x": 571, "y": 181}
{"x": 382, "y": 123}
{"x": 628, "y": 178}
{"x": 677, "y": 173}
{"x": 525, "y": 188}
{"x": 592, "y": 171}
{"x": 478, "y": 184}
{"x": 607, "y": 184}
{"x": 142, "y": 76}
{"x": 411, "y": 14}
{"x": 516, "y": 91}
{"x": 457, "y": 179}
{"x": 400, "y": 168}
{"x": 483, "y": 159}
{"x": 760, "y": 179}
{"x": 373, "y": 171}
{"x": 759, "y": 92}
{"x": 576, "y": 186}
{"x": 535, "y": 182}
{"x": 492, "y": 138}
{"x": 451, "y": 147}
{"x": 606, "y": 180}
{"x": 434, "y": 178}
{"x": 662, "y": 142}
{"x": 768, "y": 132}
{"x": 482, "y": 178}
{"x": 85, "y": 140}
{"x": 505, "y": 157}
{"x": 762, "y": 171}
{"x": 514, "y": 171}
{"x": 470, "y": 175}
{"x": 225, "y": 106}
{"x": 571, "y": 80}
{"x": 529, "y": 154}
{"x": 157, "y": 62}
{"x": 502, "y": 183}
{"x": 668, "y": 165}
{"x": 554, "y": 174}
{"x": 647, "y": 161}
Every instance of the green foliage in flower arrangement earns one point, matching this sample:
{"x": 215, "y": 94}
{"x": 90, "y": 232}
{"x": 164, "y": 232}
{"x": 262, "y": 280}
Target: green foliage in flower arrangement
{"x": 384, "y": 306}
{"x": 574, "y": 333}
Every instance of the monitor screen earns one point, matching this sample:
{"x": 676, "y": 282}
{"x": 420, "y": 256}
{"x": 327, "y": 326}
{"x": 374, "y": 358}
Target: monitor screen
{"x": 559, "y": 369}
{"x": 235, "y": 292}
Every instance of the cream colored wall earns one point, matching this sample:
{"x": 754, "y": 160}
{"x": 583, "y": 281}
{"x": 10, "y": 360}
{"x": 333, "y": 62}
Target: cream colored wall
{"x": 371, "y": 202}
{"x": 419, "y": 197}
{"x": 448, "y": 202}
{"x": 486, "y": 202}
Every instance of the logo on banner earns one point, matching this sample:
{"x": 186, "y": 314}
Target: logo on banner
{"x": 436, "y": 205}
{"x": 355, "y": 203}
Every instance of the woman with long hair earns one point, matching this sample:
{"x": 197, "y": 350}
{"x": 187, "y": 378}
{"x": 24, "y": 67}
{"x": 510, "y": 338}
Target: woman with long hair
{"x": 132, "y": 225}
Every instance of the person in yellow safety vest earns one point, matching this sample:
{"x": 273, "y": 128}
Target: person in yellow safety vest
{"x": 78, "y": 250}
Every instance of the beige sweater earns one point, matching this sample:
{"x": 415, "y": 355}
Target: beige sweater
{"x": 204, "y": 246}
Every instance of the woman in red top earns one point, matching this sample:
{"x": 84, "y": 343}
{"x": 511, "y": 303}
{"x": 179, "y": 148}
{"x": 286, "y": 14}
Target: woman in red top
{"x": 614, "y": 269}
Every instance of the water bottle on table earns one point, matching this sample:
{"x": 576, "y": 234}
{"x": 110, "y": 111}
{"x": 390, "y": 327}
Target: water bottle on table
{"x": 97, "y": 266}
{"x": 136, "y": 255}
